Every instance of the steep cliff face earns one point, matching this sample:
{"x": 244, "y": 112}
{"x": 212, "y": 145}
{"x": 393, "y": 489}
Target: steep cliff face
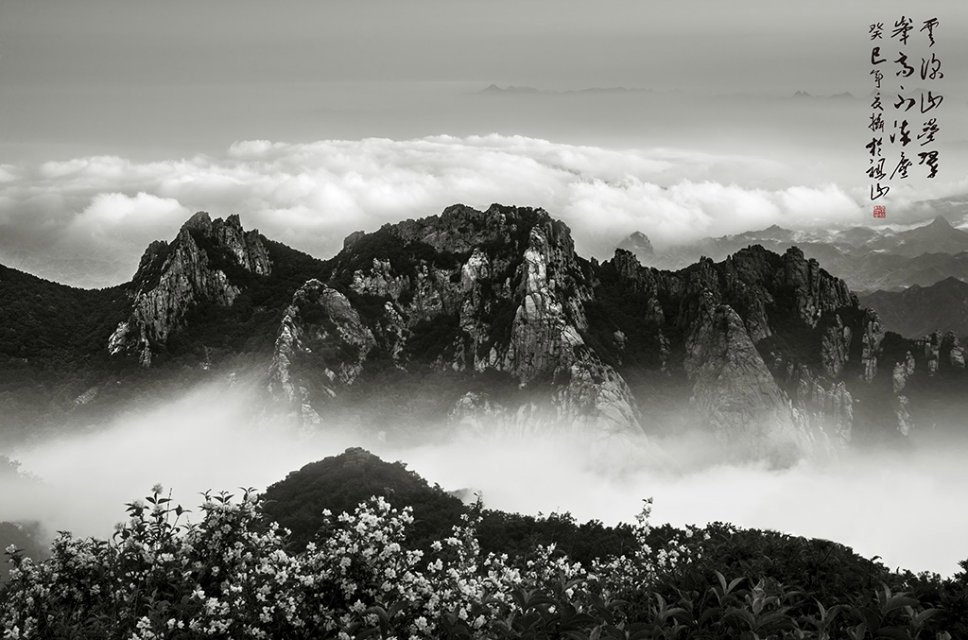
{"x": 207, "y": 262}
{"x": 733, "y": 389}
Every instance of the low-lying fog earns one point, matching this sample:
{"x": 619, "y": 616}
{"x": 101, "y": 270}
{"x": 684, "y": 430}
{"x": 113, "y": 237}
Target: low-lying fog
{"x": 906, "y": 506}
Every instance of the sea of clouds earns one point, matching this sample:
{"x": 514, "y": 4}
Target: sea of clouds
{"x": 85, "y": 221}
{"x": 903, "y": 505}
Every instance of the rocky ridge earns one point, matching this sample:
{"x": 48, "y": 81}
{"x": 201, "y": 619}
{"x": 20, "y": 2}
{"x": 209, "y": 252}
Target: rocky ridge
{"x": 809, "y": 334}
{"x": 765, "y": 348}
{"x": 489, "y": 320}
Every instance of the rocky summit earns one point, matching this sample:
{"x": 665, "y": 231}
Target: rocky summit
{"x": 490, "y": 321}
{"x": 200, "y": 265}
{"x": 472, "y": 293}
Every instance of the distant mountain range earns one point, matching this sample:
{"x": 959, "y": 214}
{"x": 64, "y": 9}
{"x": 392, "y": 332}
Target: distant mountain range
{"x": 918, "y": 311}
{"x": 866, "y": 258}
{"x": 485, "y": 320}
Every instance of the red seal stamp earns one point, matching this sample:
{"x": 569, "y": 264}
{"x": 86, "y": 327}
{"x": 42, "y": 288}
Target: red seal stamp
{"x": 880, "y": 211}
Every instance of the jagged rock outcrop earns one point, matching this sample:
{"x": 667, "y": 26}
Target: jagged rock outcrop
{"x": 814, "y": 290}
{"x": 322, "y": 345}
{"x": 762, "y": 347}
{"x": 201, "y": 265}
{"x": 493, "y": 312}
{"x": 808, "y": 328}
{"x": 926, "y": 368}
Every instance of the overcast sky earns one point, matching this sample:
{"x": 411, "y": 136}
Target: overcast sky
{"x": 149, "y": 101}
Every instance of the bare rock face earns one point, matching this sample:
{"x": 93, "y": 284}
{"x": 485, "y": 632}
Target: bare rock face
{"x": 835, "y": 347}
{"x": 546, "y": 336}
{"x": 926, "y": 367}
{"x": 545, "y": 330}
{"x": 870, "y": 341}
{"x": 173, "y": 278}
{"x": 476, "y": 412}
{"x": 321, "y": 346}
{"x": 733, "y": 388}
{"x": 379, "y": 280}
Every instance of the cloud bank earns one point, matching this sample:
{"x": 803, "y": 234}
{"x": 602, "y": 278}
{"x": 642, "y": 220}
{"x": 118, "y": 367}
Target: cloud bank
{"x": 85, "y": 221}
{"x": 906, "y": 506}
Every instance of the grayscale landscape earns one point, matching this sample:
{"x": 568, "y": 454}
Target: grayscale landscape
{"x": 577, "y": 313}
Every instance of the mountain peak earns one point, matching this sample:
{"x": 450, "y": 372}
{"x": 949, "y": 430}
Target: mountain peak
{"x": 208, "y": 261}
{"x": 639, "y": 244}
{"x": 200, "y": 220}
{"x": 951, "y": 281}
{"x": 461, "y": 228}
{"x": 940, "y": 222}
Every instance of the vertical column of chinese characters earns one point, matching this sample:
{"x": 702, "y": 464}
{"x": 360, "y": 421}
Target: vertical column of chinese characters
{"x": 901, "y": 134}
{"x": 876, "y": 170}
{"x": 930, "y": 73}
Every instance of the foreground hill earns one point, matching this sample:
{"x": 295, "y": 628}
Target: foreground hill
{"x": 481, "y": 320}
{"x": 339, "y": 483}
